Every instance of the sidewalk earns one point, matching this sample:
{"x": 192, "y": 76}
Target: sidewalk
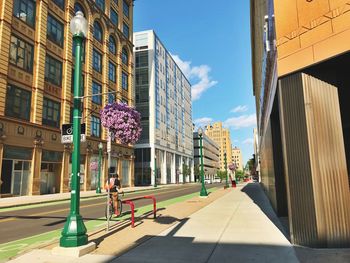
{"x": 7, "y": 202}
{"x": 228, "y": 226}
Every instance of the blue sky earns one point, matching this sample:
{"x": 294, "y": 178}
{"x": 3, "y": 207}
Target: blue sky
{"x": 210, "y": 41}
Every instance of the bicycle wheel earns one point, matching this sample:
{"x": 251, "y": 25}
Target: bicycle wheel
{"x": 111, "y": 210}
{"x": 118, "y": 212}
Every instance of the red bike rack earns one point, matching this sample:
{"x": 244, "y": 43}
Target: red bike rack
{"x": 132, "y": 206}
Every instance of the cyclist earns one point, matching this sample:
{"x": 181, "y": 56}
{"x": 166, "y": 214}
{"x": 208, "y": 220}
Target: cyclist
{"x": 114, "y": 188}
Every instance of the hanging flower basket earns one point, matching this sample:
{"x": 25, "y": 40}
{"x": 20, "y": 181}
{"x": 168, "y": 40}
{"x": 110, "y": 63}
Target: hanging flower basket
{"x": 122, "y": 121}
{"x": 232, "y": 167}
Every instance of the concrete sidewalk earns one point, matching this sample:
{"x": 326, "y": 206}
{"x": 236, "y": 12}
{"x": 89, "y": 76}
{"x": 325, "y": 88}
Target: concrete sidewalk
{"x": 233, "y": 225}
{"x": 231, "y": 229}
{"x": 37, "y": 199}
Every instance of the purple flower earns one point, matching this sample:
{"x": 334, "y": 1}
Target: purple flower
{"x": 123, "y": 121}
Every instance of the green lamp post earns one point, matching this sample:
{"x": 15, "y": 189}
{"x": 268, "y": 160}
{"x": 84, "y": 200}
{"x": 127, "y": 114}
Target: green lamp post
{"x": 74, "y": 231}
{"x": 225, "y": 160}
{"x": 203, "y": 191}
{"x": 98, "y": 188}
{"x": 155, "y": 170}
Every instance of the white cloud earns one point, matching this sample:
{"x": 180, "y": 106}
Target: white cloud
{"x": 248, "y": 141}
{"x": 200, "y": 74}
{"x": 240, "y": 108}
{"x": 242, "y": 121}
{"x": 201, "y": 122}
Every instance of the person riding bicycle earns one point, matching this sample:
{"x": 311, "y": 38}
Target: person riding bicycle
{"x": 114, "y": 188}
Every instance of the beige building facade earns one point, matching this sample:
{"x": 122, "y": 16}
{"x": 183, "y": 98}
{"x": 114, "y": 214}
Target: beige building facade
{"x": 300, "y": 58}
{"x": 237, "y": 158}
{"x": 221, "y": 136}
{"x": 37, "y": 64}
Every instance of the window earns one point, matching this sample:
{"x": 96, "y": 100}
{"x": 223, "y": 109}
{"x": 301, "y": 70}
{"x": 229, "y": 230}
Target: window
{"x": 101, "y": 4}
{"x": 51, "y": 113}
{"x": 21, "y": 54}
{"x": 25, "y": 10}
{"x": 97, "y": 31}
{"x": 111, "y": 97}
{"x": 125, "y": 57}
{"x": 60, "y": 3}
{"x": 18, "y": 103}
{"x": 112, "y": 72}
{"x": 126, "y": 30}
{"x": 95, "y": 126}
{"x": 142, "y": 59}
{"x": 53, "y": 70}
{"x": 96, "y": 61}
{"x": 125, "y": 8}
{"x": 55, "y": 30}
{"x": 114, "y": 17}
{"x": 112, "y": 45}
{"x": 125, "y": 101}
{"x": 124, "y": 80}
{"x": 78, "y": 7}
{"x": 96, "y": 89}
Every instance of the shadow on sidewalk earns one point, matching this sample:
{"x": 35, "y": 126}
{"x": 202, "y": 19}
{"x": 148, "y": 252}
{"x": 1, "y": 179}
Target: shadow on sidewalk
{"x": 254, "y": 191}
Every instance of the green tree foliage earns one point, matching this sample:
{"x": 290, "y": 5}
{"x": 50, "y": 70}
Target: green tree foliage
{"x": 221, "y": 174}
{"x": 239, "y": 174}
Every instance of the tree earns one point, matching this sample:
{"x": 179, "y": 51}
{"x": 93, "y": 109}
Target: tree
{"x": 239, "y": 174}
{"x": 186, "y": 171}
{"x": 221, "y": 175}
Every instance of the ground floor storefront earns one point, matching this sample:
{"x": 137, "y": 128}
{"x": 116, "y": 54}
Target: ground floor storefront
{"x": 33, "y": 161}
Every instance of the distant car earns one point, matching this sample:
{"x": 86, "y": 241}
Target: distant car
{"x": 207, "y": 181}
{"x": 217, "y": 180}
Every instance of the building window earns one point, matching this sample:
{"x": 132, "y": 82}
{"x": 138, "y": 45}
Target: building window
{"x": 59, "y": 3}
{"x": 21, "y": 54}
{"x": 112, "y": 72}
{"x": 53, "y": 70}
{"x": 96, "y": 89}
{"x": 125, "y": 101}
{"x": 125, "y": 57}
{"x": 126, "y": 30}
{"x": 101, "y": 4}
{"x": 97, "y": 31}
{"x": 25, "y": 10}
{"x": 125, "y": 8}
{"x": 51, "y": 113}
{"x": 124, "y": 81}
{"x": 78, "y": 7}
{"x": 95, "y": 126}
{"x": 96, "y": 61}
{"x": 18, "y": 103}
{"x": 111, "y": 97}
{"x": 114, "y": 17}
{"x": 112, "y": 45}
{"x": 55, "y": 30}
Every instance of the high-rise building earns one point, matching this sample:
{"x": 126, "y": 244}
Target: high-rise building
{"x": 37, "y": 64}
{"x": 300, "y": 58}
{"x": 211, "y": 152}
{"x": 163, "y": 97}
{"x": 222, "y": 137}
{"x": 237, "y": 158}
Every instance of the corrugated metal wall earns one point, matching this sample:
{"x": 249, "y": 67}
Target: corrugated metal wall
{"x": 314, "y": 161}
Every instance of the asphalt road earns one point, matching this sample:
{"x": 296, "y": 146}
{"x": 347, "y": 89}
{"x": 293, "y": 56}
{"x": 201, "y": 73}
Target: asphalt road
{"x": 28, "y": 222}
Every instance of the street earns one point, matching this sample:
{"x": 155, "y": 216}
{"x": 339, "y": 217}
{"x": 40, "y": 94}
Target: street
{"x": 29, "y": 221}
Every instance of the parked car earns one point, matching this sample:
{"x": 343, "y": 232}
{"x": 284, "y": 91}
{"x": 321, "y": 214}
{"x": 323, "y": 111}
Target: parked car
{"x": 217, "y": 180}
{"x": 207, "y": 181}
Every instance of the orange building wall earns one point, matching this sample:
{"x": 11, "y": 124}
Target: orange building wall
{"x": 310, "y": 31}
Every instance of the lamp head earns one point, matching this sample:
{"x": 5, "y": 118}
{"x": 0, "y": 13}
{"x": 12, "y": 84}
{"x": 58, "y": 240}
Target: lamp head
{"x": 79, "y": 25}
{"x": 100, "y": 146}
{"x": 200, "y": 131}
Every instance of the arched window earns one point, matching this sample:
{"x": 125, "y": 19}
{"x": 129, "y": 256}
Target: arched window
{"x": 97, "y": 31}
{"x": 78, "y": 7}
{"x": 112, "y": 45}
{"x": 125, "y": 57}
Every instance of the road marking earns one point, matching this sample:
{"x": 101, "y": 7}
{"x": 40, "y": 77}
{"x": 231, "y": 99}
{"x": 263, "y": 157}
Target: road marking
{"x": 67, "y": 209}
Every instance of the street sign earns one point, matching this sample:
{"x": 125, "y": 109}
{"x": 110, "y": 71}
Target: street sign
{"x": 67, "y": 133}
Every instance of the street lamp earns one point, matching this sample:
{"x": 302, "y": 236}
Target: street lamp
{"x": 74, "y": 231}
{"x": 100, "y": 147}
{"x": 155, "y": 170}
{"x": 203, "y": 191}
{"x": 225, "y": 160}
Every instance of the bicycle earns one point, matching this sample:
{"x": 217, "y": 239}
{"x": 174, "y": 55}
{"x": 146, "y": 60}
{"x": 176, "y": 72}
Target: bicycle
{"x": 112, "y": 211}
